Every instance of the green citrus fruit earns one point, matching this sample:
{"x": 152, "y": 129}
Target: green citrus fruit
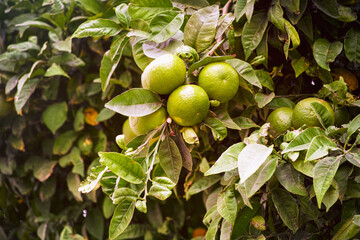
{"x": 188, "y": 105}
{"x": 128, "y": 132}
{"x": 188, "y": 54}
{"x": 349, "y": 78}
{"x": 342, "y": 116}
{"x": 220, "y": 80}
{"x": 164, "y": 74}
{"x": 141, "y": 125}
{"x": 280, "y": 121}
{"x": 304, "y": 114}
{"x": 5, "y": 107}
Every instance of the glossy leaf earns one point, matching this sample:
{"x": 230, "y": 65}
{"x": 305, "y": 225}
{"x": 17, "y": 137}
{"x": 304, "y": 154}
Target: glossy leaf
{"x": 122, "y": 166}
{"x": 251, "y": 158}
{"x": 135, "y": 102}
{"x": 202, "y": 184}
{"x": 227, "y": 161}
{"x": 218, "y": 129}
{"x": 352, "y": 45}
{"x": 170, "y": 159}
{"x": 122, "y": 15}
{"x": 324, "y": 173}
{"x": 55, "y": 70}
{"x": 299, "y": 65}
{"x": 291, "y": 179}
{"x": 329, "y": 7}
{"x": 154, "y": 50}
{"x": 23, "y": 94}
{"x": 246, "y": 71}
{"x": 64, "y": 142}
{"x": 93, "y": 179}
{"x": 138, "y": 53}
{"x": 133, "y": 231}
{"x": 97, "y": 28}
{"x": 319, "y": 147}
{"x": 325, "y": 52}
{"x": 213, "y": 228}
{"x": 165, "y": 25}
{"x": 303, "y": 140}
{"x": 55, "y": 116}
{"x": 253, "y": 32}
{"x": 124, "y": 193}
{"x": 73, "y": 183}
{"x": 200, "y": 29}
{"x": 241, "y": 226}
{"x": 227, "y": 205}
{"x": 275, "y": 15}
{"x": 287, "y": 208}
{"x": 348, "y": 230}
{"x": 260, "y": 177}
{"x": 121, "y": 218}
{"x": 353, "y": 126}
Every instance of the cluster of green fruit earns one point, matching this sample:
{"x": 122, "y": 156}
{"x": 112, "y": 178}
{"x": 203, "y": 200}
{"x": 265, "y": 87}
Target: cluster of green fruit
{"x": 303, "y": 115}
{"x": 187, "y": 104}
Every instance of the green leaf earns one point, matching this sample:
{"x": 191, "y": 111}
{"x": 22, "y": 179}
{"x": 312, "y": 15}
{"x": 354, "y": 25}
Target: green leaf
{"x": 348, "y": 230}
{"x": 63, "y": 45}
{"x": 38, "y": 24}
{"x": 138, "y": 53}
{"x": 124, "y": 193}
{"x": 23, "y": 47}
{"x": 161, "y": 188}
{"x": 93, "y": 179}
{"x": 68, "y": 59}
{"x": 23, "y": 94}
{"x": 244, "y": 7}
{"x": 330, "y": 198}
{"x": 265, "y": 79}
{"x": 329, "y": 7}
{"x": 55, "y": 70}
{"x": 218, "y": 129}
{"x": 121, "y": 218}
{"x": 306, "y": 168}
{"x": 200, "y": 29}
{"x": 227, "y": 161}
{"x": 325, "y": 52}
{"x": 260, "y": 177}
{"x": 202, "y": 184}
{"x": 170, "y": 159}
{"x": 104, "y": 115}
{"x": 73, "y": 183}
{"x": 346, "y": 14}
{"x": 253, "y": 32}
{"x": 55, "y": 116}
{"x": 299, "y": 65}
{"x": 94, "y": 223}
{"x": 246, "y": 71}
{"x": 154, "y": 50}
{"x": 287, "y": 208}
{"x": 352, "y": 45}
{"x": 93, "y": 6}
{"x": 245, "y": 123}
{"x": 44, "y": 169}
{"x": 353, "y": 126}
{"x": 291, "y": 5}
{"x": 133, "y": 231}
{"x": 275, "y": 15}
{"x": 325, "y": 117}
{"x": 213, "y": 228}
{"x": 122, "y": 166}
{"x": 135, "y": 102}
{"x": 262, "y": 99}
{"x": 97, "y": 28}
{"x": 165, "y": 25}
{"x": 353, "y": 158}
{"x": 64, "y": 142}
{"x": 205, "y": 61}
{"x": 243, "y": 220}
{"x": 122, "y": 15}
{"x": 291, "y": 179}
{"x": 293, "y": 35}
{"x": 227, "y": 205}
{"x": 303, "y": 140}
{"x": 319, "y": 147}
{"x": 251, "y": 158}
{"x": 67, "y": 234}
{"x": 146, "y": 12}
{"x": 324, "y": 173}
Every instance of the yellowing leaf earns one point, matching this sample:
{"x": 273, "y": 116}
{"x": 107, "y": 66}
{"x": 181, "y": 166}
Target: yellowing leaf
{"x": 90, "y": 116}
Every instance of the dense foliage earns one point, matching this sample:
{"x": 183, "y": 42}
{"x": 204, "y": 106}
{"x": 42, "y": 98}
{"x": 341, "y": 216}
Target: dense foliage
{"x": 71, "y": 75}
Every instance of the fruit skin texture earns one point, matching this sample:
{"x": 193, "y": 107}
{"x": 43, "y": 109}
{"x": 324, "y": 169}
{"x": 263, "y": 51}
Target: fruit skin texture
{"x": 349, "y": 78}
{"x": 5, "y": 107}
{"x": 304, "y": 114}
{"x": 164, "y": 74}
{"x": 198, "y": 232}
{"x": 187, "y": 53}
{"x": 220, "y": 80}
{"x": 280, "y": 121}
{"x": 128, "y": 132}
{"x": 141, "y": 125}
{"x": 188, "y": 105}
